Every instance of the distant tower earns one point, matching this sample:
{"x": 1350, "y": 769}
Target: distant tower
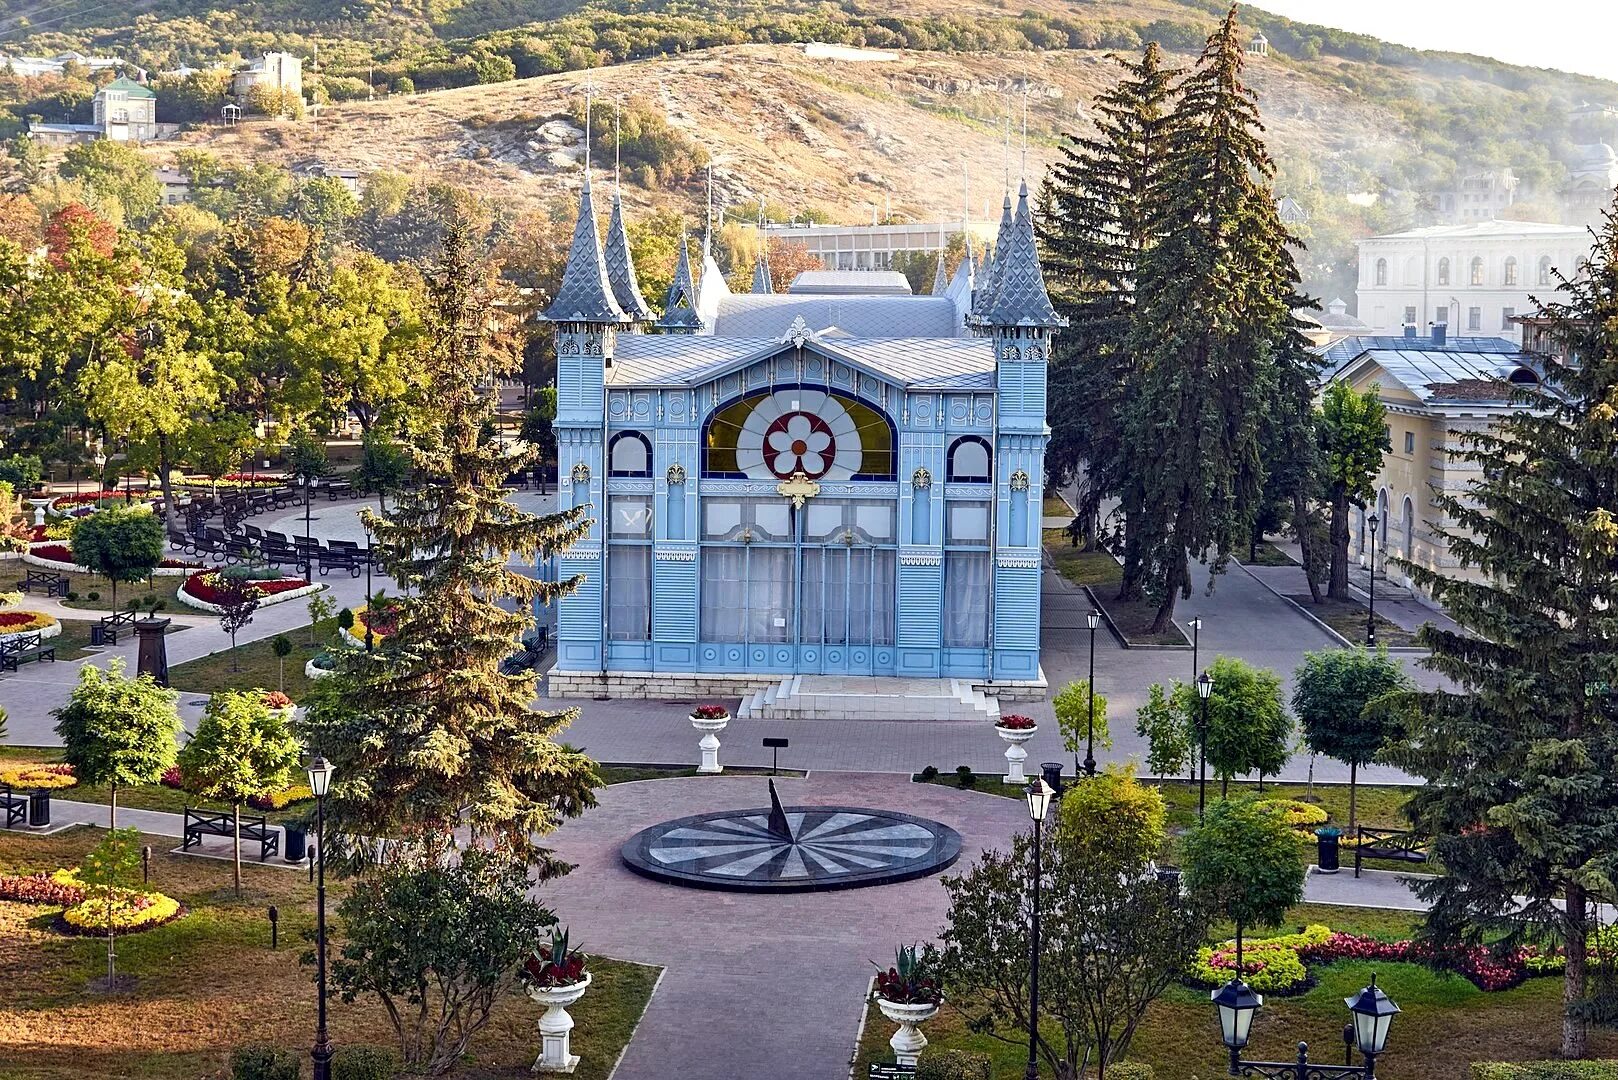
{"x": 621, "y": 268}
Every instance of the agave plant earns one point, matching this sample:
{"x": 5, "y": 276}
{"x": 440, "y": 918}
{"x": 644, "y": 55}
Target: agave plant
{"x": 913, "y": 978}
{"x": 556, "y": 964}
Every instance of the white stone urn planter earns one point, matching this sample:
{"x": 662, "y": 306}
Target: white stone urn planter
{"x": 556, "y": 1026}
{"x": 1015, "y": 754}
{"x": 908, "y": 1041}
{"x": 709, "y": 743}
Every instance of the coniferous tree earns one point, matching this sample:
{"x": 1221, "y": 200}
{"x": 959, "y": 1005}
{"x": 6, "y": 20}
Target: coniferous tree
{"x": 425, "y": 732}
{"x": 1213, "y": 339}
{"x": 1521, "y": 759}
{"x": 1100, "y": 218}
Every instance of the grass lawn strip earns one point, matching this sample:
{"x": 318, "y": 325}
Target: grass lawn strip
{"x": 1267, "y": 554}
{"x": 162, "y": 588}
{"x": 209, "y": 982}
{"x": 258, "y": 667}
{"x": 1101, "y": 572}
{"x": 1348, "y": 619}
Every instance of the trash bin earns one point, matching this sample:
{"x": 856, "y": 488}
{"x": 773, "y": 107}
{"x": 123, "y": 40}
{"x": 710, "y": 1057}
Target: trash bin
{"x": 39, "y": 809}
{"x": 295, "y": 842}
{"x": 98, "y": 634}
{"x": 1051, "y": 772}
{"x": 1327, "y": 842}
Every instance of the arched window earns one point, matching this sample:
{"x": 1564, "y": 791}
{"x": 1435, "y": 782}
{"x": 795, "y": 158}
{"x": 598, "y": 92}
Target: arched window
{"x": 1511, "y": 270}
{"x": 629, "y": 454}
{"x": 1477, "y": 270}
{"x": 1443, "y": 271}
{"x": 1523, "y": 376}
{"x": 1382, "y": 271}
{"x": 969, "y": 460}
{"x": 1410, "y": 528}
{"x": 1544, "y": 269}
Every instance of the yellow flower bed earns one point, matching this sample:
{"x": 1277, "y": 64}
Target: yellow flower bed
{"x": 359, "y": 627}
{"x": 39, "y": 777}
{"x": 280, "y": 800}
{"x": 37, "y": 620}
{"x": 130, "y": 911}
{"x": 1296, "y": 813}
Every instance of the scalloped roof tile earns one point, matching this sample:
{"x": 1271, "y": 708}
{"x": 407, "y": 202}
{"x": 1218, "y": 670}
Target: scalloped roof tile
{"x": 585, "y": 295}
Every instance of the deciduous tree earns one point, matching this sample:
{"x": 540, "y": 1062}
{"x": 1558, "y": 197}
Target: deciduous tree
{"x": 1331, "y": 690}
{"x": 119, "y": 543}
{"x": 1353, "y": 437}
{"x": 1249, "y": 729}
{"x": 118, "y": 731}
{"x": 1242, "y": 863}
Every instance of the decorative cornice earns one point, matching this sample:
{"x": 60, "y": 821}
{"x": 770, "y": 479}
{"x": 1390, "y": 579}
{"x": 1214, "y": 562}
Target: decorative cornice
{"x": 922, "y": 560}
{"x": 1017, "y": 562}
{"x": 682, "y": 554}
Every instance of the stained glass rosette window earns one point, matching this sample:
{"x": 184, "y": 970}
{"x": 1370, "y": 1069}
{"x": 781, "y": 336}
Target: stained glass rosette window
{"x": 775, "y": 434}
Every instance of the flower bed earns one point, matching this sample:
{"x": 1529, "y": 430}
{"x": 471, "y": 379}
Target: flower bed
{"x": 131, "y": 912}
{"x": 384, "y": 623}
{"x": 40, "y": 888}
{"x": 280, "y": 800}
{"x": 1296, "y": 813}
{"x": 1270, "y": 965}
{"x": 200, "y": 592}
{"x": 38, "y": 776}
{"x": 1016, "y": 722}
{"x": 54, "y": 556}
{"x": 23, "y": 622}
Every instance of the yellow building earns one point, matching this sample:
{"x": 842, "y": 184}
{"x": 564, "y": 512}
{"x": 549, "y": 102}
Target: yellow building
{"x": 1433, "y": 389}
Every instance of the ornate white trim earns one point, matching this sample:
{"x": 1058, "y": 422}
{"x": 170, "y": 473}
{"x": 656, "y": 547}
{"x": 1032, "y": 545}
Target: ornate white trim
{"x": 921, "y": 560}
{"x": 921, "y": 479}
{"x": 1019, "y": 480}
{"x": 1014, "y": 562}
{"x": 675, "y": 554}
{"x": 581, "y": 473}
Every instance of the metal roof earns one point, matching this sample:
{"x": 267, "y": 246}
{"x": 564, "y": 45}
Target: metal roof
{"x": 584, "y": 295}
{"x": 1449, "y": 376}
{"x": 1348, "y": 348}
{"x": 680, "y": 302}
{"x": 621, "y": 268}
{"x": 915, "y": 363}
{"x": 1019, "y": 297}
{"x": 750, "y": 315}
{"x": 850, "y": 283}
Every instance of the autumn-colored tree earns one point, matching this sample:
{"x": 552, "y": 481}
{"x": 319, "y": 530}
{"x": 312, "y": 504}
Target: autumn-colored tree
{"x": 77, "y": 223}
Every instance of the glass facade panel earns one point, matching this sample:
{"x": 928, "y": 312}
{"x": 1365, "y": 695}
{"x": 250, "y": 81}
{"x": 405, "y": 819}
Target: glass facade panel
{"x": 966, "y": 599}
{"x": 629, "y": 592}
{"x": 966, "y": 523}
{"x": 631, "y": 517}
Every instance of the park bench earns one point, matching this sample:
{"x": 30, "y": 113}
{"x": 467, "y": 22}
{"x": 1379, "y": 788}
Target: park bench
{"x": 14, "y": 806}
{"x": 339, "y": 488}
{"x": 239, "y": 549}
{"x": 1389, "y": 844}
{"x": 17, "y": 649}
{"x": 208, "y": 546}
{"x": 110, "y": 625}
{"x": 278, "y": 552}
{"x": 259, "y": 501}
{"x": 179, "y": 541}
{"x": 881, "y": 1071}
{"x": 337, "y": 558}
{"x": 50, "y": 582}
{"x": 200, "y": 823}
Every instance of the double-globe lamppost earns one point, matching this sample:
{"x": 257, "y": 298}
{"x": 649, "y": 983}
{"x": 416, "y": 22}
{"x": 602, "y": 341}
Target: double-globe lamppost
{"x": 1370, "y": 612}
{"x": 1370, "y": 1011}
{"x": 1039, "y": 795}
{"x": 1094, "y": 619}
{"x": 320, "y": 773}
{"x": 1204, "y": 691}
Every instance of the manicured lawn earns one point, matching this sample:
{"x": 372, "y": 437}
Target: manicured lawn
{"x": 1078, "y": 565}
{"x": 209, "y": 982}
{"x": 1348, "y": 619}
{"x": 256, "y": 663}
{"x": 163, "y": 588}
{"x": 1446, "y": 1024}
{"x": 1102, "y": 572}
{"x": 1055, "y": 506}
{"x": 1267, "y": 554}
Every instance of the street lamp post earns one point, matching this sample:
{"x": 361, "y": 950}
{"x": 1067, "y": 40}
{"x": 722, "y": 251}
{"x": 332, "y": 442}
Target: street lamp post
{"x": 1204, "y": 691}
{"x": 1094, "y": 619}
{"x": 1370, "y": 1010}
{"x": 1196, "y": 641}
{"x": 1370, "y": 611}
{"x": 320, "y": 772}
{"x": 308, "y": 489}
{"x": 1039, "y": 795}
{"x": 368, "y": 636}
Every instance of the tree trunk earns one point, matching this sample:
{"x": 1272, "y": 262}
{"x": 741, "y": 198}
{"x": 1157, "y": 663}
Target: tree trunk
{"x": 1129, "y": 586}
{"x": 112, "y": 816}
{"x": 112, "y": 969}
{"x": 1178, "y": 572}
{"x": 236, "y": 829}
{"x": 1575, "y": 976}
{"x": 1353, "y": 793}
{"x": 1306, "y": 544}
{"x": 1337, "y": 589}
{"x": 165, "y": 484}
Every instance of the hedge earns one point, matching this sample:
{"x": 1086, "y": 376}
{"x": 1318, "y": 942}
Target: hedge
{"x": 1545, "y": 1070}
{"x": 365, "y": 1063}
{"x": 952, "y": 1065}
{"x": 264, "y": 1063}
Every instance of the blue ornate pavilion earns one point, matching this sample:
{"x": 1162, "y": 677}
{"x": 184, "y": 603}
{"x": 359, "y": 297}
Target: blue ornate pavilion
{"x": 826, "y": 482}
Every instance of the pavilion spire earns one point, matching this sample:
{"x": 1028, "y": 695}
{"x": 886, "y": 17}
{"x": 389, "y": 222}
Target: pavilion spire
{"x": 1019, "y": 296}
{"x": 680, "y": 314}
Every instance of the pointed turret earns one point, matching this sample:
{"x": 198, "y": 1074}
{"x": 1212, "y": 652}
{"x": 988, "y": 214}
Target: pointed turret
{"x": 585, "y": 295}
{"x": 1019, "y": 285}
{"x": 761, "y": 275}
{"x": 621, "y": 268}
{"x": 680, "y": 313}
{"x": 940, "y": 278}
{"x": 989, "y": 279}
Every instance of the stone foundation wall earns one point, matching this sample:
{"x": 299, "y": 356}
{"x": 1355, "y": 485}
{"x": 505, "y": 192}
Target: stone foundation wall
{"x": 656, "y": 685}
{"x": 1022, "y": 690}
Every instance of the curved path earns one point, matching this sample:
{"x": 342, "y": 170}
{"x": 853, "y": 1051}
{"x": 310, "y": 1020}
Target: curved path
{"x": 755, "y": 985}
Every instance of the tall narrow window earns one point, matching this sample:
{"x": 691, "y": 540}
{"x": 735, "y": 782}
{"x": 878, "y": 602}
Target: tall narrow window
{"x": 1477, "y": 270}
{"x": 969, "y": 460}
{"x": 630, "y": 454}
{"x": 1382, "y": 271}
{"x": 629, "y": 568}
{"x": 1544, "y": 269}
{"x": 966, "y": 575}
{"x": 1443, "y": 271}
{"x": 1511, "y": 270}
{"x": 921, "y": 515}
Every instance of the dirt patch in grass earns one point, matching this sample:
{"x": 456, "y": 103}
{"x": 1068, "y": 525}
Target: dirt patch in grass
{"x": 209, "y": 982}
{"x": 1348, "y": 619}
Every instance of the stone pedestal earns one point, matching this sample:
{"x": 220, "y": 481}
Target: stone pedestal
{"x": 709, "y": 743}
{"x": 1015, "y": 754}
{"x": 154, "y": 656}
{"x": 556, "y": 1026}
{"x": 908, "y": 1042}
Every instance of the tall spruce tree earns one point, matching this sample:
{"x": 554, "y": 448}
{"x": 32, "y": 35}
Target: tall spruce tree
{"x": 1521, "y": 759}
{"x": 1214, "y": 339}
{"x": 425, "y": 732}
{"x": 1101, "y": 216}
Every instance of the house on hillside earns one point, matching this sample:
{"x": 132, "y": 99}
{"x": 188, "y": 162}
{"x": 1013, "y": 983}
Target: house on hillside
{"x": 274, "y": 70}
{"x": 123, "y": 111}
{"x": 1434, "y": 388}
{"x": 350, "y": 178}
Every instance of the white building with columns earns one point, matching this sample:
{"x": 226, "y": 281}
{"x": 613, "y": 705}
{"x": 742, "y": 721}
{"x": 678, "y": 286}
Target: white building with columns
{"x": 1472, "y": 278}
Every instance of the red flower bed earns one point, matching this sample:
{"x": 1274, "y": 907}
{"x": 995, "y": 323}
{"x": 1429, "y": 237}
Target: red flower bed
{"x": 38, "y": 889}
{"x": 86, "y": 497}
{"x": 54, "y": 552}
{"x": 1485, "y": 969}
{"x": 171, "y": 778}
{"x": 1016, "y": 722}
{"x": 180, "y": 564}
{"x": 197, "y": 585}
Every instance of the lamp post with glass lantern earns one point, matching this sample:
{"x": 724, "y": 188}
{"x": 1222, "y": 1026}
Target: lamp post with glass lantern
{"x": 320, "y": 772}
{"x": 1094, "y": 619}
{"x": 1204, "y": 691}
{"x": 1039, "y": 795}
{"x": 368, "y": 558}
{"x": 1370, "y": 611}
{"x": 1371, "y": 1012}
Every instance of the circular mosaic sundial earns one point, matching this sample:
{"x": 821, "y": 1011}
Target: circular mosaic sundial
{"x": 792, "y": 849}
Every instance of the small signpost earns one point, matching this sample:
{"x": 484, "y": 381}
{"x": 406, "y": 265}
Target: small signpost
{"x": 775, "y": 746}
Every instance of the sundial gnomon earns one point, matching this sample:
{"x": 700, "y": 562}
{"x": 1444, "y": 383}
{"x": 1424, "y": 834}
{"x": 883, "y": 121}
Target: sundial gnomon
{"x": 785, "y": 849}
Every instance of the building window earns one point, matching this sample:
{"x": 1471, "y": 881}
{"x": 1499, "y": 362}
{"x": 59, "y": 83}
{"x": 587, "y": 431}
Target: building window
{"x": 1410, "y": 315}
{"x": 1410, "y": 442}
{"x": 1382, "y": 271}
{"x": 825, "y": 435}
{"x": 1544, "y": 269}
{"x": 969, "y": 460}
{"x": 1477, "y": 271}
{"x": 1511, "y": 270}
{"x": 1443, "y": 271}
{"x": 1506, "y": 315}
{"x": 1474, "y": 318}
{"x": 629, "y": 568}
{"x": 629, "y": 454}
{"x": 966, "y": 599}
{"x": 1441, "y": 315}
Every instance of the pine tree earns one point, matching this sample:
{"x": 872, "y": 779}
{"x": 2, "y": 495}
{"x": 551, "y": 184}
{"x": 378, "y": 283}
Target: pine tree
{"x": 1521, "y": 759}
{"x": 1214, "y": 340}
{"x": 1100, "y": 199}
{"x": 426, "y": 732}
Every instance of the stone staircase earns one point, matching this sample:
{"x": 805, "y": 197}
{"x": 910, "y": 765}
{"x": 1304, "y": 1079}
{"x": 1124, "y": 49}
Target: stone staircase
{"x": 864, "y": 697}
